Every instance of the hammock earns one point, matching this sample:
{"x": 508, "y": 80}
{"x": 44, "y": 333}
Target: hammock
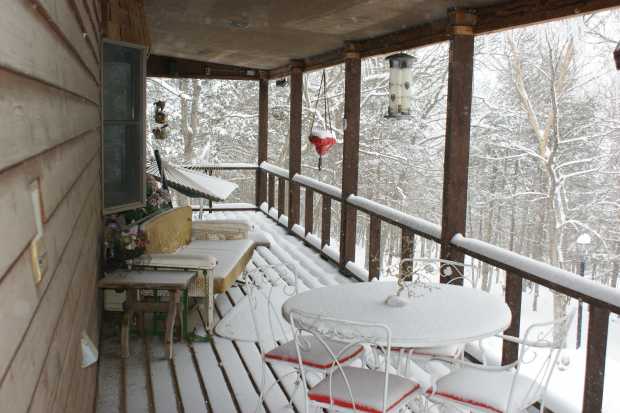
{"x": 191, "y": 183}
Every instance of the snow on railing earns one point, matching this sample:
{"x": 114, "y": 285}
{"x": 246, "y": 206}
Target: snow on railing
{"x": 322, "y": 187}
{"x": 418, "y": 225}
{"x": 232, "y": 165}
{"x": 556, "y": 276}
{"x": 275, "y": 170}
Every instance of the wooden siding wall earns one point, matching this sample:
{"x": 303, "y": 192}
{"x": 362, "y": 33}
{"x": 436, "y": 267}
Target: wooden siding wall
{"x": 50, "y": 117}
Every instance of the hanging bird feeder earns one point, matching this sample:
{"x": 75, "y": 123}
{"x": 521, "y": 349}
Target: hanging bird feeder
{"x": 160, "y": 116}
{"x": 401, "y": 78}
{"x": 322, "y": 138}
{"x": 617, "y": 56}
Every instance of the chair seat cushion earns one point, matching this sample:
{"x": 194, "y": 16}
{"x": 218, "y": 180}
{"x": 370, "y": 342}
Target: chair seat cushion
{"x": 486, "y": 390}
{"x": 367, "y": 388}
{"x": 450, "y": 351}
{"x": 314, "y": 354}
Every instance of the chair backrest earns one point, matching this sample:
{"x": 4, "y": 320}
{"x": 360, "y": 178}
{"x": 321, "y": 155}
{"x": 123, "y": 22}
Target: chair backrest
{"x": 376, "y": 338}
{"x": 541, "y": 346}
{"x": 267, "y": 291}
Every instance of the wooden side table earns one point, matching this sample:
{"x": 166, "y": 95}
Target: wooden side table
{"x": 134, "y": 280}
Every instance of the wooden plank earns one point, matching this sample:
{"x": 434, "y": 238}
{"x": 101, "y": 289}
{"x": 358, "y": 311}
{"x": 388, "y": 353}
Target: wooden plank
{"x": 148, "y": 279}
{"x": 64, "y": 334}
{"x": 18, "y": 284}
{"x": 263, "y": 140}
{"x": 326, "y": 220}
{"x": 406, "y": 252}
{"x": 374, "y": 248}
{"x": 161, "y": 376}
{"x": 30, "y": 46}
{"x": 242, "y": 387}
{"x": 598, "y": 328}
{"x": 218, "y": 394}
{"x": 94, "y": 24}
{"x": 281, "y": 195}
{"x": 294, "y": 143}
{"x": 309, "y": 211}
{"x": 21, "y": 366}
{"x": 458, "y": 119}
{"x": 63, "y": 14}
{"x": 175, "y": 67}
{"x": 37, "y": 117}
{"x": 109, "y": 376}
{"x": 271, "y": 193}
{"x": 513, "y": 294}
{"x": 350, "y": 156}
{"x": 189, "y": 385}
{"x": 86, "y": 26}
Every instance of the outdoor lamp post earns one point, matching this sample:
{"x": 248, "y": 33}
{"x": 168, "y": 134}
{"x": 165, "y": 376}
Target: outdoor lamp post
{"x": 583, "y": 245}
{"x": 401, "y": 78}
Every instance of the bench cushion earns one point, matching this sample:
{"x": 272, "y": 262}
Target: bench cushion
{"x": 232, "y": 257}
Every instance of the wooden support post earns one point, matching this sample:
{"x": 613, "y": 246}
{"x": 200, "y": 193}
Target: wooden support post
{"x": 309, "y": 212}
{"x": 514, "y": 288}
{"x": 263, "y": 140}
{"x": 598, "y": 327}
{"x": 456, "y": 161}
{"x": 350, "y": 155}
{"x": 326, "y": 220}
{"x": 406, "y": 253}
{"x": 294, "y": 147}
{"x": 281, "y": 195}
{"x": 374, "y": 248}
{"x": 271, "y": 193}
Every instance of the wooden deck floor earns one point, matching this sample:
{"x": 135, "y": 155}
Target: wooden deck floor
{"x": 217, "y": 376}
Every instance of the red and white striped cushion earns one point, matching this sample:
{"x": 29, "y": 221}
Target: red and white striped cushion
{"x": 367, "y": 388}
{"x": 314, "y": 354}
{"x": 485, "y": 390}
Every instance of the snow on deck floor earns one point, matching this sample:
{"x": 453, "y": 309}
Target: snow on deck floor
{"x": 218, "y": 376}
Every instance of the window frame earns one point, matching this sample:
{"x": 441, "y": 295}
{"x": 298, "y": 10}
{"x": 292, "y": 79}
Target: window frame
{"x": 140, "y": 122}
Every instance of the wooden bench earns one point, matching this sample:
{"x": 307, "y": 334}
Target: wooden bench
{"x": 219, "y": 262}
{"x": 134, "y": 281}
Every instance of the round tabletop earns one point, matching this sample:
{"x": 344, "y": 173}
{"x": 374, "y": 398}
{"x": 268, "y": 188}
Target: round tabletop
{"x": 441, "y": 315}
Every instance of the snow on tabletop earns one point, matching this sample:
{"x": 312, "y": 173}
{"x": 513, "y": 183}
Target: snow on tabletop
{"x": 273, "y": 169}
{"x": 419, "y": 225}
{"x": 357, "y": 270}
{"x": 545, "y": 271}
{"x": 299, "y": 230}
{"x": 332, "y": 253}
{"x": 328, "y": 189}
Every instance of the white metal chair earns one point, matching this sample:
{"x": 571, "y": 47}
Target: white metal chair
{"x": 505, "y": 389}
{"x": 347, "y": 388}
{"x": 274, "y": 336}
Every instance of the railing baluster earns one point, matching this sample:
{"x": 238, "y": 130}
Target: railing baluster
{"x": 598, "y": 327}
{"x": 309, "y": 211}
{"x": 374, "y": 247}
{"x": 271, "y": 192}
{"x": 514, "y": 289}
{"x": 406, "y": 248}
{"x": 281, "y": 189}
{"x": 326, "y": 220}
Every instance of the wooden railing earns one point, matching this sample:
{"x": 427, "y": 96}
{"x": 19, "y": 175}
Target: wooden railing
{"x": 602, "y": 300}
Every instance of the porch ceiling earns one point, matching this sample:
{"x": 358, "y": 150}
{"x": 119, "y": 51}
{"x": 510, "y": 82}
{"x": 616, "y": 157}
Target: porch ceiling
{"x": 266, "y": 34}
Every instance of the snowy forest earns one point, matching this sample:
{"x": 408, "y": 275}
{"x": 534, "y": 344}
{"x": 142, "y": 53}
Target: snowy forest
{"x": 545, "y": 139}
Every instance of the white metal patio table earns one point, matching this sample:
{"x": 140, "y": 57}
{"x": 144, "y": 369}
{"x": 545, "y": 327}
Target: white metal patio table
{"x": 440, "y": 315}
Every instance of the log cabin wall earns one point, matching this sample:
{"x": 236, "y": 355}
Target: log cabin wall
{"x": 50, "y": 136}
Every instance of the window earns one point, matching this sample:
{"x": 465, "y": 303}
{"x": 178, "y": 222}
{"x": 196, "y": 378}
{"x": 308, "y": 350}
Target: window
{"x": 123, "y": 126}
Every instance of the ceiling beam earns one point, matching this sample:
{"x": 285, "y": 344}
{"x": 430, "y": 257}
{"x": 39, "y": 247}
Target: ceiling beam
{"x": 166, "y": 66}
{"x": 504, "y": 16}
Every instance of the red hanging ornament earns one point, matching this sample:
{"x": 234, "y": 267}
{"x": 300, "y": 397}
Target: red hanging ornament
{"x": 322, "y": 138}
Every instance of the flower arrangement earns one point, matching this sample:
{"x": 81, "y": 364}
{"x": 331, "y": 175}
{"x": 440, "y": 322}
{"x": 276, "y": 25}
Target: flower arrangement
{"x": 122, "y": 243}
